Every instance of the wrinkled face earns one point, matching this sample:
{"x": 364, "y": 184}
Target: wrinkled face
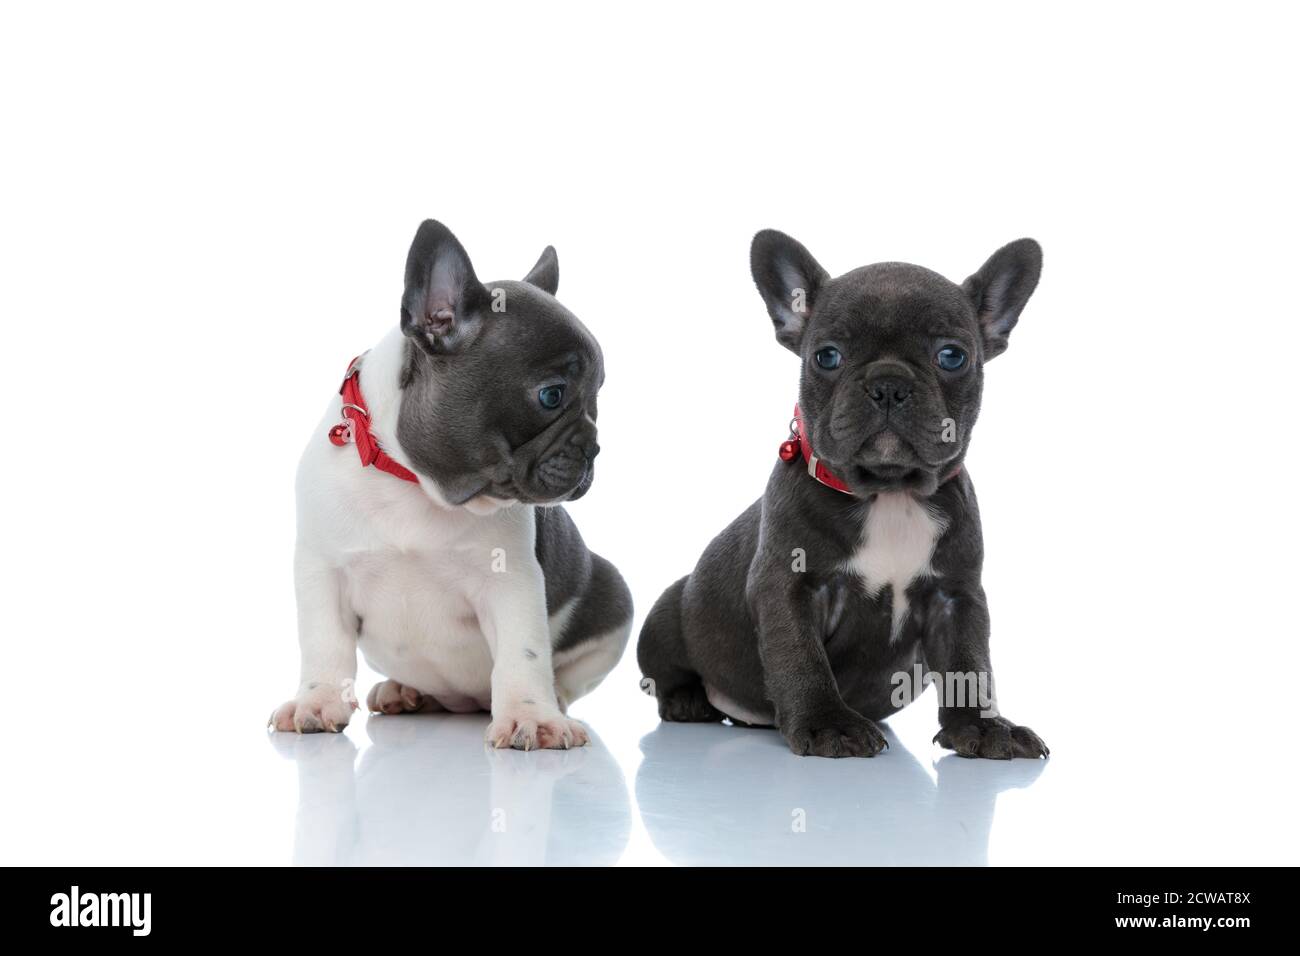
{"x": 892, "y": 355}
{"x": 892, "y": 370}
{"x": 499, "y": 391}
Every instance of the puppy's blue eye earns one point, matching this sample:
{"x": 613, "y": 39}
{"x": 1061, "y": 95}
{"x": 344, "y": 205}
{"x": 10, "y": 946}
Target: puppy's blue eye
{"x": 950, "y": 359}
{"x": 828, "y": 358}
{"x": 551, "y": 396}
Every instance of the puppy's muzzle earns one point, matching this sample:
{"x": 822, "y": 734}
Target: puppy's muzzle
{"x": 565, "y": 470}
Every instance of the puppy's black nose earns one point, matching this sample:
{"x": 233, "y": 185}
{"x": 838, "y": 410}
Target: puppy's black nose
{"x": 889, "y": 392}
{"x": 587, "y": 443}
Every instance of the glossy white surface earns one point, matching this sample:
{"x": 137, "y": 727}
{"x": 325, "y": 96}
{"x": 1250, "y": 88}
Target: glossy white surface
{"x": 423, "y": 790}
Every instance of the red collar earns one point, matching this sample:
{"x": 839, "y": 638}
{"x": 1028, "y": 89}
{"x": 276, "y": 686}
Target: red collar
{"x": 355, "y": 427}
{"x": 799, "y": 444}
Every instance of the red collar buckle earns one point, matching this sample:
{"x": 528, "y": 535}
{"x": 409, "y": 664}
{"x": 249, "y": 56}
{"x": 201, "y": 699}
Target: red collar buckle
{"x": 355, "y": 427}
{"x": 798, "y": 444}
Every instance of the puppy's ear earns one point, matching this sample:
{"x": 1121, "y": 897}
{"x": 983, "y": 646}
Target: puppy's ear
{"x": 1000, "y": 290}
{"x": 546, "y": 274}
{"x": 442, "y": 304}
{"x": 788, "y": 279}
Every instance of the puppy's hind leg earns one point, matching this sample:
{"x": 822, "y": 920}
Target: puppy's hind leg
{"x": 580, "y": 670}
{"x": 604, "y": 611}
{"x": 667, "y": 676}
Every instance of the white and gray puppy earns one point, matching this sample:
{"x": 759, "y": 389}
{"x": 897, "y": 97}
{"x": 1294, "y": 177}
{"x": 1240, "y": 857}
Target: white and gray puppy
{"x": 437, "y": 561}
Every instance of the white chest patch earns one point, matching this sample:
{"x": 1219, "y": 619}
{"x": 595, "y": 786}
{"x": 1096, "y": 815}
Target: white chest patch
{"x": 897, "y": 544}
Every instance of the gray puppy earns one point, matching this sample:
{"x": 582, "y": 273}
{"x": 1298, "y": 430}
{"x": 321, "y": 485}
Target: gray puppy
{"x": 855, "y": 579}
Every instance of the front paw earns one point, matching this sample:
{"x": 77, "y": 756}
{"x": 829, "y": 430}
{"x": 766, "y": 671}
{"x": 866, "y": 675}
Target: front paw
{"x": 526, "y": 728}
{"x": 993, "y": 737}
{"x": 842, "y": 734}
{"x": 319, "y": 707}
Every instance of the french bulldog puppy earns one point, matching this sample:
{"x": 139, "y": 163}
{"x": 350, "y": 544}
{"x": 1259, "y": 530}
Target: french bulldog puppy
{"x": 858, "y": 571}
{"x": 430, "y": 534}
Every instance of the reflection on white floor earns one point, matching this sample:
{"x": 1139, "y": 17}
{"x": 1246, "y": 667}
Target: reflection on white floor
{"x": 717, "y": 795}
{"x": 426, "y": 791}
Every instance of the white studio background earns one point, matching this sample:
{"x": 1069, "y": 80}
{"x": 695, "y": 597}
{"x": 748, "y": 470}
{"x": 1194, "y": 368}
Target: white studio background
{"x": 206, "y": 210}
